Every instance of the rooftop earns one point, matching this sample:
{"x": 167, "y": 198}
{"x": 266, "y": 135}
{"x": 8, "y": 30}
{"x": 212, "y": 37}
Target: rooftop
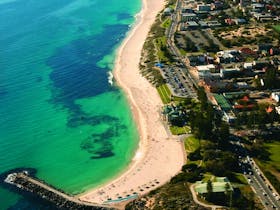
{"x": 222, "y": 101}
{"x": 218, "y": 186}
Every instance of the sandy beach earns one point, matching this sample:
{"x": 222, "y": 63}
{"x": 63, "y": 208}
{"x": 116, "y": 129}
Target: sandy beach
{"x": 160, "y": 155}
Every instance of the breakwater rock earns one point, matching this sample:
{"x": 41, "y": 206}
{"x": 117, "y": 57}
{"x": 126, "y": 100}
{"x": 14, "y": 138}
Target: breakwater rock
{"x": 22, "y": 180}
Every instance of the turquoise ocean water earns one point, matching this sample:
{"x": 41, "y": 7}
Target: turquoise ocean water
{"x": 58, "y": 113}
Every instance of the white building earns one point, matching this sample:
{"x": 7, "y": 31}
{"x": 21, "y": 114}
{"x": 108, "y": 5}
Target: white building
{"x": 205, "y": 70}
{"x": 276, "y": 96}
{"x": 277, "y": 109}
{"x": 248, "y": 66}
{"x": 229, "y": 117}
{"x": 242, "y": 85}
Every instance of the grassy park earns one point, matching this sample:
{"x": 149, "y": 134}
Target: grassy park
{"x": 277, "y": 28}
{"x": 274, "y": 149}
{"x": 166, "y": 23}
{"x": 192, "y": 144}
{"x": 271, "y": 167}
{"x": 164, "y": 93}
{"x": 175, "y": 130}
{"x": 273, "y": 164}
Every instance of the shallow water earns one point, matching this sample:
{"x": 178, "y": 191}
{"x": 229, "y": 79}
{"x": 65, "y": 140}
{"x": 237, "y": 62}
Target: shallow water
{"x": 58, "y": 112}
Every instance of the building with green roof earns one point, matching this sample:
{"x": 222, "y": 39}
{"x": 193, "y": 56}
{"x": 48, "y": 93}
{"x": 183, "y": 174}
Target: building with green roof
{"x": 219, "y": 185}
{"x": 222, "y": 101}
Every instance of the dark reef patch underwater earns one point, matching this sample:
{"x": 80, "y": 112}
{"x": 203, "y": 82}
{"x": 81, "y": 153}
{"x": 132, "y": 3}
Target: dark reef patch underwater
{"x": 75, "y": 75}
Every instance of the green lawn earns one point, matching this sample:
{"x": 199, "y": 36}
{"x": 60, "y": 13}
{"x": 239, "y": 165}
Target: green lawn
{"x": 271, "y": 167}
{"x": 178, "y": 99}
{"x": 182, "y": 51}
{"x": 240, "y": 178}
{"x": 164, "y": 93}
{"x": 161, "y": 48}
{"x": 191, "y": 144}
{"x": 274, "y": 163}
{"x": 166, "y": 23}
{"x": 207, "y": 176}
{"x": 274, "y": 149}
{"x": 277, "y": 28}
{"x": 175, "y": 130}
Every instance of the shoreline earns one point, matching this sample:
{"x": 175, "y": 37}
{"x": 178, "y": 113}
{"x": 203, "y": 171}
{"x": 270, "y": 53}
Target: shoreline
{"x": 157, "y": 149}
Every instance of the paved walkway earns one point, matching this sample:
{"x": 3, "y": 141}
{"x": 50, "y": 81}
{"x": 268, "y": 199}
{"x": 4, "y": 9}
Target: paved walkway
{"x": 201, "y": 203}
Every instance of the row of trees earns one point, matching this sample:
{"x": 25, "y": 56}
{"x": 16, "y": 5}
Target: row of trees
{"x": 256, "y": 119}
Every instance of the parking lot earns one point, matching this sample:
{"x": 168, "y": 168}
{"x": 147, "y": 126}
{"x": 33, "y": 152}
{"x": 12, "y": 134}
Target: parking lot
{"x": 178, "y": 83}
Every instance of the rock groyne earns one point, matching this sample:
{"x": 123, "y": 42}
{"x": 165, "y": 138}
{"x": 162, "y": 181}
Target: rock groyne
{"x": 23, "y": 181}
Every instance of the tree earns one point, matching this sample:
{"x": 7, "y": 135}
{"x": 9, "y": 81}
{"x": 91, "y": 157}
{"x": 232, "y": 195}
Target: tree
{"x": 229, "y": 193}
{"x": 189, "y": 167}
{"x": 223, "y": 134}
{"x": 209, "y": 188}
{"x": 270, "y": 78}
{"x": 202, "y": 97}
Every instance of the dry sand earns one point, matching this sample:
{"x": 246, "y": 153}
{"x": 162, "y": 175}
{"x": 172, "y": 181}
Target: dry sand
{"x": 160, "y": 155}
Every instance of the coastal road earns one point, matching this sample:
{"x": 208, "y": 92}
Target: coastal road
{"x": 256, "y": 179}
{"x": 262, "y": 187}
{"x": 174, "y": 50}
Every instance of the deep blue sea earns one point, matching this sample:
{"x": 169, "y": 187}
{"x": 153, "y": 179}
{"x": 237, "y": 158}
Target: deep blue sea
{"x": 58, "y": 112}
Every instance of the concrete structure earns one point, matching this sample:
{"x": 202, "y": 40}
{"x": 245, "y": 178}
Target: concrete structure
{"x": 23, "y": 181}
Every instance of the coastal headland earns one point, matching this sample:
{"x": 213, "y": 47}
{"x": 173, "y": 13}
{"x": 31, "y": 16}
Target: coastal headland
{"x": 160, "y": 155}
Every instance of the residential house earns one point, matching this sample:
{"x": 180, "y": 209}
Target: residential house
{"x": 226, "y": 56}
{"x": 247, "y": 52}
{"x": 203, "y": 7}
{"x": 263, "y": 17}
{"x": 239, "y": 21}
{"x": 242, "y": 85}
{"x": 213, "y": 24}
{"x": 248, "y": 66}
